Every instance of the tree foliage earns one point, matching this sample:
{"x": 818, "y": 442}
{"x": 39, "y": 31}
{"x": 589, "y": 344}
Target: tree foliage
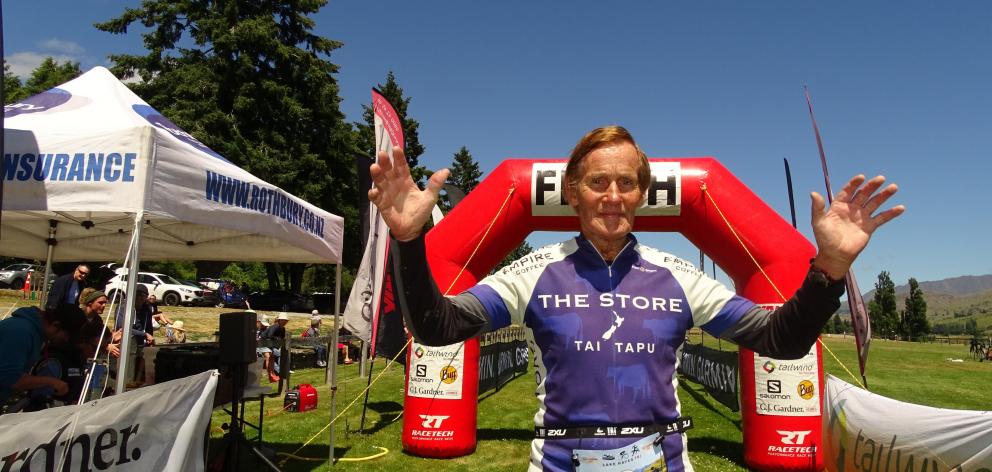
{"x": 465, "y": 171}
{"x": 252, "y": 81}
{"x": 882, "y": 309}
{"x": 465, "y": 175}
{"x": 914, "y": 318}
{"x": 411, "y": 137}
{"x": 48, "y": 74}
{"x": 13, "y": 90}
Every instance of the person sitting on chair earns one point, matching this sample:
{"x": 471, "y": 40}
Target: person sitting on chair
{"x": 313, "y": 332}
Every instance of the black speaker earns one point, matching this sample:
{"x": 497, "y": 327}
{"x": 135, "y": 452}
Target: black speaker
{"x": 237, "y": 338}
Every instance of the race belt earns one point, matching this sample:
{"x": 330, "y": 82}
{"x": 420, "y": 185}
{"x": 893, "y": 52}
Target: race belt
{"x": 613, "y": 431}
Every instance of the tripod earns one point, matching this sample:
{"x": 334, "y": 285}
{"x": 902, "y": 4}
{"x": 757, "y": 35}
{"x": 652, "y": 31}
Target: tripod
{"x": 234, "y": 444}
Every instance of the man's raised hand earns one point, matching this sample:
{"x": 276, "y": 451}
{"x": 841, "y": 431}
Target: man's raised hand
{"x": 403, "y": 206}
{"x": 843, "y": 230}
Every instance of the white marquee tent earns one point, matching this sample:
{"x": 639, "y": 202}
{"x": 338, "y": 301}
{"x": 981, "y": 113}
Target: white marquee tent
{"x": 83, "y": 162}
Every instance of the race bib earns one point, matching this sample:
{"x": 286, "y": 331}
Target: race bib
{"x": 645, "y": 455}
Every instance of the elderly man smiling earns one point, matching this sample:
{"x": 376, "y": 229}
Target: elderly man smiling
{"x": 635, "y": 304}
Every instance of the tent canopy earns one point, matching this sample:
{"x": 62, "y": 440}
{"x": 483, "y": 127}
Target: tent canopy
{"x": 90, "y": 155}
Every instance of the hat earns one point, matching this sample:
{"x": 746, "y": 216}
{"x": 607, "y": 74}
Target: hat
{"x": 282, "y": 316}
{"x": 264, "y": 320}
{"x": 178, "y": 325}
{"x": 92, "y": 296}
{"x": 141, "y": 290}
{"x": 314, "y": 313}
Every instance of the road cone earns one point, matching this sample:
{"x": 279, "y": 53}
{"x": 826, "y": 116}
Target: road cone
{"x": 27, "y": 287}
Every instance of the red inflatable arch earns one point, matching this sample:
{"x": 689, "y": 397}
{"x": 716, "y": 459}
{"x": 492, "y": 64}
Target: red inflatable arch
{"x": 522, "y": 196}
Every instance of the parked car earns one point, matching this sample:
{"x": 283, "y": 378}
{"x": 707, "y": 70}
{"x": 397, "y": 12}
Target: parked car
{"x": 14, "y": 275}
{"x": 167, "y": 289}
{"x": 209, "y": 297}
{"x": 280, "y": 300}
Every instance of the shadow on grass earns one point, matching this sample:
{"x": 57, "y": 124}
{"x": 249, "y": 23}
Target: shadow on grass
{"x": 388, "y": 412}
{"x": 310, "y": 457}
{"x": 704, "y": 400}
{"x": 733, "y": 451}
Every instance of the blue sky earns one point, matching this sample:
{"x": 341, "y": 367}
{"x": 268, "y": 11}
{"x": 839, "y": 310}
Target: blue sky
{"x": 899, "y": 88}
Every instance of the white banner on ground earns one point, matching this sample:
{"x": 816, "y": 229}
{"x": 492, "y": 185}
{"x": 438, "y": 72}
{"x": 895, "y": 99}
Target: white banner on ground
{"x": 159, "y": 428}
{"x": 865, "y": 431}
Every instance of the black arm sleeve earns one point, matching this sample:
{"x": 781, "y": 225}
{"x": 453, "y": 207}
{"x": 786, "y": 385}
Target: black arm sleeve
{"x": 434, "y": 319}
{"x": 789, "y": 331}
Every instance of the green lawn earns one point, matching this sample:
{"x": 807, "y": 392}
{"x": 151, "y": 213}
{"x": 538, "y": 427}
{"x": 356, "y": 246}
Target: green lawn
{"x": 912, "y": 372}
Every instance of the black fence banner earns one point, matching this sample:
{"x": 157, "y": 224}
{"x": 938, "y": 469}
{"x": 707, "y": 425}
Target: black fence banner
{"x": 503, "y": 355}
{"x": 715, "y": 370}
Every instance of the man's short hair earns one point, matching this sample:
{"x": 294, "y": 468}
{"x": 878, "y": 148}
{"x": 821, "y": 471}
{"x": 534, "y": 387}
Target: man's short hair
{"x": 69, "y": 317}
{"x": 598, "y": 138}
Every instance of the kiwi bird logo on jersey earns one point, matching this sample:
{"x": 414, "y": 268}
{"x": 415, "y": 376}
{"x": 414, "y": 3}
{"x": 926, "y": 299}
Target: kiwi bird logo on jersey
{"x": 156, "y": 119}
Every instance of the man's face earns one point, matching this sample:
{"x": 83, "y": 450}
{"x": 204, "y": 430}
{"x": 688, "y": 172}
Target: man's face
{"x": 81, "y": 273}
{"x": 283, "y": 322}
{"x": 140, "y": 299}
{"x": 607, "y": 193}
{"x": 99, "y": 305}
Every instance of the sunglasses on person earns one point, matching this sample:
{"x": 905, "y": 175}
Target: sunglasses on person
{"x": 83, "y": 273}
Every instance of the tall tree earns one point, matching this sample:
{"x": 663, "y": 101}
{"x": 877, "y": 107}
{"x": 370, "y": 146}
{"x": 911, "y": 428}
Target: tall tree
{"x": 13, "y": 90}
{"x": 252, "y": 81}
{"x": 914, "y": 319}
{"x": 882, "y": 308}
{"x": 411, "y": 138}
{"x": 465, "y": 171}
{"x": 50, "y": 73}
{"x": 465, "y": 175}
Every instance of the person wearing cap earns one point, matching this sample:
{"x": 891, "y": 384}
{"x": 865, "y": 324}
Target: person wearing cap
{"x": 314, "y": 332}
{"x": 276, "y": 334}
{"x": 22, "y": 336}
{"x": 141, "y": 330}
{"x": 265, "y": 352}
{"x": 93, "y": 302}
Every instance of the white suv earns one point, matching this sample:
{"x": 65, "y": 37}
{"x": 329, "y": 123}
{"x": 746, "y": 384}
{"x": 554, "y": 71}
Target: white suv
{"x": 167, "y": 289}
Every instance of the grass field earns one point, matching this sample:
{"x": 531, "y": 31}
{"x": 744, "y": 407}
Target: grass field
{"x": 912, "y": 372}
{"x": 918, "y": 373}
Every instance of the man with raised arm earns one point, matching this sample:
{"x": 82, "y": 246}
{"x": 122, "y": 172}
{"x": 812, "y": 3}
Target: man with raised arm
{"x": 578, "y": 301}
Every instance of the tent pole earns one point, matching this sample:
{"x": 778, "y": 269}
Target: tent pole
{"x": 129, "y": 309}
{"x": 332, "y": 371}
{"x": 52, "y": 228}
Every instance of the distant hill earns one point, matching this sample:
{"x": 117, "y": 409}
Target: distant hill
{"x": 949, "y": 300}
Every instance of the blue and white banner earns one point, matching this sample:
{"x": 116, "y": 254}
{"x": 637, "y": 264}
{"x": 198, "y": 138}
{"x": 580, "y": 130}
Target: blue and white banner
{"x": 159, "y": 427}
{"x": 863, "y": 431}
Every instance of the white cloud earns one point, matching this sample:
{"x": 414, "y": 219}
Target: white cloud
{"x": 23, "y": 63}
{"x": 67, "y": 48}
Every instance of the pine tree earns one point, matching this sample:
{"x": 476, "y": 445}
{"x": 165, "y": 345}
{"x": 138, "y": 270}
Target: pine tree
{"x": 465, "y": 171}
{"x": 882, "y": 309}
{"x": 411, "y": 139}
{"x": 251, "y": 81}
{"x": 914, "y": 319}
{"x": 50, "y": 73}
{"x": 465, "y": 175}
{"x": 13, "y": 90}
